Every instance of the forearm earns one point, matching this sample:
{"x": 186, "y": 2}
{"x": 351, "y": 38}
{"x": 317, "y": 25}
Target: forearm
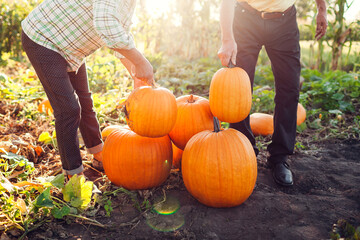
{"x": 227, "y": 9}
{"x": 133, "y": 55}
{"x": 137, "y": 65}
{"x": 321, "y": 6}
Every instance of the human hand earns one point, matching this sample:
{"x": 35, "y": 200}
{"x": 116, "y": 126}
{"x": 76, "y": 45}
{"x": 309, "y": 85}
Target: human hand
{"x": 321, "y": 24}
{"x": 144, "y": 72}
{"x": 227, "y": 52}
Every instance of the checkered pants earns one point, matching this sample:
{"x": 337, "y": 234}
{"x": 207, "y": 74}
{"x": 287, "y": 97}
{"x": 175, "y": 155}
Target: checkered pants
{"x": 70, "y": 97}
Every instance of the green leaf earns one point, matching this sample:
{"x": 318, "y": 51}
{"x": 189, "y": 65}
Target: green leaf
{"x": 335, "y": 111}
{"x": 60, "y": 213}
{"x": 78, "y": 192}
{"x": 44, "y": 200}
{"x": 58, "y": 181}
{"x": 55, "y": 181}
{"x": 316, "y": 124}
{"x": 338, "y": 96}
{"x": 301, "y": 127}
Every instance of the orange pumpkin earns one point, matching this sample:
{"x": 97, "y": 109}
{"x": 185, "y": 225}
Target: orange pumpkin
{"x": 109, "y": 129}
{"x": 262, "y": 124}
{"x": 151, "y": 111}
{"x": 230, "y": 94}
{"x": 45, "y": 107}
{"x": 177, "y": 155}
{"x": 193, "y": 116}
{"x": 136, "y": 162}
{"x": 301, "y": 114}
{"x": 219, "y": 167}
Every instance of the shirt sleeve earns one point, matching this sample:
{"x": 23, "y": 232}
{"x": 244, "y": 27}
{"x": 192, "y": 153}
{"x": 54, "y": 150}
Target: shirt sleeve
{"x": 112, "y": 20}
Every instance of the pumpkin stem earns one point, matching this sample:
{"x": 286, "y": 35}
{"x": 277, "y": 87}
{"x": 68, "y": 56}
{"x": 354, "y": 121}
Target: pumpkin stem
{"x": 231, "y": 65}
{"x": 191, "y": 99}
{"x": 216, "y": 125}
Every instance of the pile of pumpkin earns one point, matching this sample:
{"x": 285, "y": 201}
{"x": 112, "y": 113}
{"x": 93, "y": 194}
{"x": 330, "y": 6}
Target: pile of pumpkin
{"x": 218, "y": 166}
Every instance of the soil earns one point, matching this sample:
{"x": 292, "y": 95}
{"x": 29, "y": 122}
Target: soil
{"x": 326, "y": 189}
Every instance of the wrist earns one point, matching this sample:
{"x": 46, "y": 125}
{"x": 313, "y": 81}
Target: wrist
{"x": 227, "y": 40}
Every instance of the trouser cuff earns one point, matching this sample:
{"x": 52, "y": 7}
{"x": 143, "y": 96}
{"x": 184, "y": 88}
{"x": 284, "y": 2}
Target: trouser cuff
{"x": 96, "y": 149}
{"x": 74, "y": 171}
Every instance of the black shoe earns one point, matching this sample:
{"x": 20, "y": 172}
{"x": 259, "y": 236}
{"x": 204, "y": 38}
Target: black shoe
{"x": 282, "y": 174}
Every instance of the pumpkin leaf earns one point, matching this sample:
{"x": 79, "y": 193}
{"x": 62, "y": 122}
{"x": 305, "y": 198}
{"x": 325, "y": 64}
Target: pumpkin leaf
{"x": 78, "y": 191}
{"x": 335, "y": 111}
{"x": 56, "y": 181}
{"x": 59, "y": 213}
{"x": 44, "y": 200}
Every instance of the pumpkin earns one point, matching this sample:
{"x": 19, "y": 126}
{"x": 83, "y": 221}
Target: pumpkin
{"x": 230, "y": 94}
{"x": 193, "y": 116}
{"x": 151, "y": 111}
{"x": 177, "y": 155}
{"x": 136, "y": 162}
{"x": 109, "y": 129}
{"x": 262, "y": 124}
{"x": 219, "y": 167}
{"x": 301, "y": 114}
{"x": 45, "y": 107}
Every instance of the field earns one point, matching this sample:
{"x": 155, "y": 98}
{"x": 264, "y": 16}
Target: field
{"x": 323, "y": 203}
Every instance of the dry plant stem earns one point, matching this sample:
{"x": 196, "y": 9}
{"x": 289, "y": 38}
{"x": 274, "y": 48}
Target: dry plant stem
{"x": 91, "y": 221}
{"x": 55, "y": 172}
{"x": 15, "y": 174}
{"x": 87, "y": 165}
{"x": 14, "y": 222}
{"x": 33, "y": 229}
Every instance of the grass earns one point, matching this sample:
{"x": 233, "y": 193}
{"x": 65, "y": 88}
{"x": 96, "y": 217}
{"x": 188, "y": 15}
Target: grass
{"x": 350, "y": 55}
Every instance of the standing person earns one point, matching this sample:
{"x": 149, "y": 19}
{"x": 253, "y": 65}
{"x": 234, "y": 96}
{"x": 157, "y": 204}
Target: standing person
{"x": 248, "y": 25}
{"x": 57, "y": 36}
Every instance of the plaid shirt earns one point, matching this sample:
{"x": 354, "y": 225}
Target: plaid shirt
{"x": 77, "y": 28}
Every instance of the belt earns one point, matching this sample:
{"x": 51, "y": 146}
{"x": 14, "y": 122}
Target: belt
{"x": 264, "y": 15}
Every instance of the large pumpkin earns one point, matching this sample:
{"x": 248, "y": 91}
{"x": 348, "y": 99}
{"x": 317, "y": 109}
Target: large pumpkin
{"x": 151, "y": 111}
{"x": 177, "y": 155}
{"x": 262, "y": 124}
{"x": 193, "y": 116}
{"x": 136, "y": 162}
{"x": 230, "y": 94}
{"x": 301, "y": 114}
{"x": 219, "y": 167}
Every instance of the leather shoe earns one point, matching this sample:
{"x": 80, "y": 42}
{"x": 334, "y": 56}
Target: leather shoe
{"x": 282, "y": 174}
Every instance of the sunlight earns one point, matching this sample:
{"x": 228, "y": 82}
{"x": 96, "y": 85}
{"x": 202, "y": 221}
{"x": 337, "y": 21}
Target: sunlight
{"x": 158, "y": 7}
{"x": 353, "y": 13}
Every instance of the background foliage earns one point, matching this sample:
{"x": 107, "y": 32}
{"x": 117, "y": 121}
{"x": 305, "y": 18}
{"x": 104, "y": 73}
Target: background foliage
{"x": 182, "y": 46}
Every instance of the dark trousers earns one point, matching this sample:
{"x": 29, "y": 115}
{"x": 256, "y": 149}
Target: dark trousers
{"x": 280, "y": 37}
{"x": 70, "y": 97}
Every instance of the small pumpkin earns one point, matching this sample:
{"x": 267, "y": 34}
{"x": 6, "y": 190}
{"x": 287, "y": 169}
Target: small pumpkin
{"x": 262, "y": 124}
{"x": 301, "y": 114}
{"x": 177, "y": 155}
{"x": 109, "y": 129}
{"x": 136, "y": 162}
{"x": 151, "y": 111}
{"x": 230, "y": 94}
{"x": 219, "y": 167}
{"x": 193, "y": 116}
{"x": 45, "y": 107}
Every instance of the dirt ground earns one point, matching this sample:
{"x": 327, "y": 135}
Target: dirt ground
{"x": 326, "y": 189}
